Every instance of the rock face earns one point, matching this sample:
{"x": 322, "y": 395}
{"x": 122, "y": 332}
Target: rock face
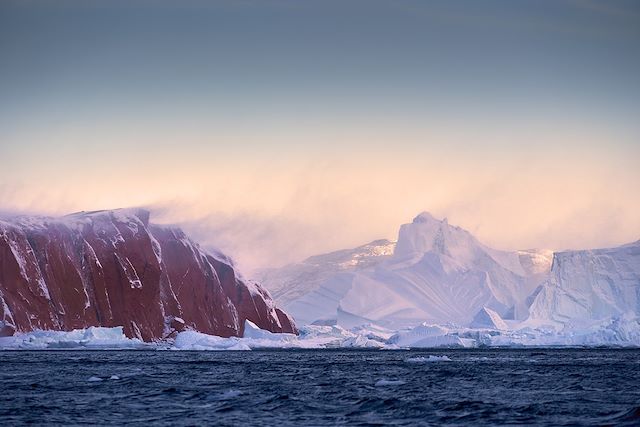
{"x": 114, "y": 268}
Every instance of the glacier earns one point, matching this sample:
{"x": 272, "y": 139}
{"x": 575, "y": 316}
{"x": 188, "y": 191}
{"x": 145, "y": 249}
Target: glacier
{"x": 442, "y": 287}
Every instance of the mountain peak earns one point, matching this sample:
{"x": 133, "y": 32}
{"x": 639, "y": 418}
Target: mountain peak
{"x": 426, "y": 233}
{"x": 426, "y": 217}
{"x": 122, "y": 213}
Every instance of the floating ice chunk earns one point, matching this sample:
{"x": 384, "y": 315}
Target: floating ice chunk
{"x": 91, "y": 338}
{"x": 254, "y": 332}
{"x": 422, "y": 359}
{"x": 254, "y": 337}
{"x": 239, "y": 347}
{"x": 94, "y": 379}
{"x": 384, "y": 383}
{"x": 114, "y": 377}
{"x": 230, "y": 394}
{"x": 311, "y": 336}
{"x": 487, "y": 318}
{"x": 192, "y": 340}
{"x": 319, "y": 336}
{"x": 394, "y": 347}
{"x": 361, "y": 341}
{"x": 430, "y": 336}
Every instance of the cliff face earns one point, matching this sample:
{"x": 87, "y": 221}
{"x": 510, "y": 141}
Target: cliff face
{"x": 114, "y": 268}
{"x": 590, "y": 285}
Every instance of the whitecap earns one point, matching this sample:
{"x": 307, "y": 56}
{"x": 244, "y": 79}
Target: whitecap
{"x": 383, "y": 383}
{"x": 422, "y": 359}
{"x": 230, "y": 394}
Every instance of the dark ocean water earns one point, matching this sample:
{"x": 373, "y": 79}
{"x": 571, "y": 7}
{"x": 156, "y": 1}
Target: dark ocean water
{"x": 326, "y": 387}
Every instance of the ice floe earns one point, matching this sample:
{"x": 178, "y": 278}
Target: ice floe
{"x": 93, "y": 338}
{"x": 623, "y": 331}
{"x": 422, "y": 359}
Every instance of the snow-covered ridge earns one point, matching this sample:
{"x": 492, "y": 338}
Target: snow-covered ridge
{"x": 288, "y": 283}
{"x": 438, "y": 273}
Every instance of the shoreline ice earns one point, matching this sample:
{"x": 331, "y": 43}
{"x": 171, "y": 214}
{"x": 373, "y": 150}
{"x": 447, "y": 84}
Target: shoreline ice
{"x": 614, "y": 333}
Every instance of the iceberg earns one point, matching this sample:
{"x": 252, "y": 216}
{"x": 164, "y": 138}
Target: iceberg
{"x": 92, "y": 338}
{"x": 487, "y": 318}
{"x": 254, "y": 337}
{"x": 442, "y": 287}
{"x": 431, "y": 336}
{"x": 192, "y": 340}
{"x": 437, "y": 273}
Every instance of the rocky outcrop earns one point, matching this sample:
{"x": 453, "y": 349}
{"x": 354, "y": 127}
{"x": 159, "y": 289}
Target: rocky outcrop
{"x": 114, "y": 268}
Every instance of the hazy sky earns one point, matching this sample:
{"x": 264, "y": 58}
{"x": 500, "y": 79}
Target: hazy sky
{"x": 278, "y": 129}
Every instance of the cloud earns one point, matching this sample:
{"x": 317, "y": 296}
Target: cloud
{"x": 558, "y": 187}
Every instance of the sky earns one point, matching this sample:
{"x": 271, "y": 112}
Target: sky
{"x": 276, "y": 130}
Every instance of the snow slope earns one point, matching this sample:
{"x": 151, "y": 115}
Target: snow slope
{"x": 289, "y": 283}
{"x": 438, "y": 273}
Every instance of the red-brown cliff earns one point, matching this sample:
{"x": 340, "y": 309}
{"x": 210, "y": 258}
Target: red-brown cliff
{"x": 114, "y": 268}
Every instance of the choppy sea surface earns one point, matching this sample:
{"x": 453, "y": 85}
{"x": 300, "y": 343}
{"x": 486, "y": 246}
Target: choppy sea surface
{"x": 321, "y": 387}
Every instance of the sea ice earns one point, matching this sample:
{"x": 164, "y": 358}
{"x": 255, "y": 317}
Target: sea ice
{"x": 622, "y": 331}
{"x": 98, "y": 338}
{"x": 430, "y": 336}
{"x": 422, "y": 359}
